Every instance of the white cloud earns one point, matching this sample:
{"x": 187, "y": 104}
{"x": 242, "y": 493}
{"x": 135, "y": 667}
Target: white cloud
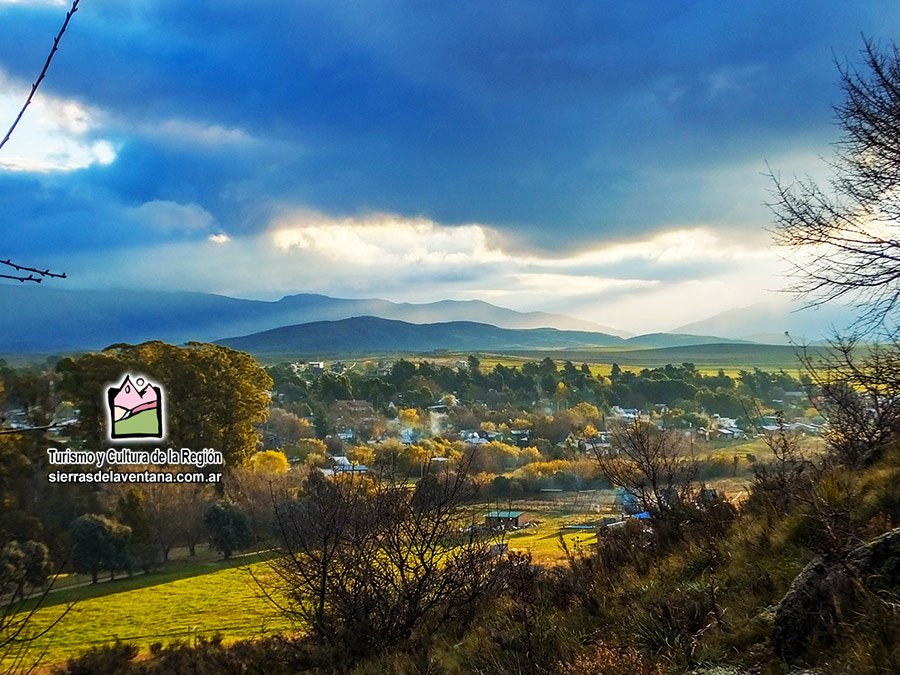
{"x": 195, "y": 132}
{"x": 169, "y": 216}
{"x": 653, "y": 283}
{"x": 54, "y": 135}
{"x": 380, "y": 239}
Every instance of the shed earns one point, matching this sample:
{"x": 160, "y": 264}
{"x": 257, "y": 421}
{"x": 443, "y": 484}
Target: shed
{"x": 503, "y": 518}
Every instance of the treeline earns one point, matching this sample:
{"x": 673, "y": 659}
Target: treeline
{"x": 683, "y": 389}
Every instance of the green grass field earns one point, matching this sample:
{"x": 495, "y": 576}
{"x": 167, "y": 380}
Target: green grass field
{"x": 176, "y": 604}
{"x": 730, "y": 357}
{"x": 708, "y": 359}
{"x": 205, "y": 597}
{"x": 543, "y": 540}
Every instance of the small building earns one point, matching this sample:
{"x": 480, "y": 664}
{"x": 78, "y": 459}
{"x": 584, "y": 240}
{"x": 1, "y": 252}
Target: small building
{"x": 409, "y": 436}
{"x": 342, "y": 464}
{"x": 626, "y": 502}
{"x": 522, "y": 437}
{"x": 503, "y": 518}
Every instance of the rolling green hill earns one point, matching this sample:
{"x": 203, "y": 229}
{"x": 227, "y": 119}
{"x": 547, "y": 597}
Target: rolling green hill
{"x": 367, "y": 335}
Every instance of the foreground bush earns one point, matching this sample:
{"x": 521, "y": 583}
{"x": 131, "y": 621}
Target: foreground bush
{"x": 206, "y": 656}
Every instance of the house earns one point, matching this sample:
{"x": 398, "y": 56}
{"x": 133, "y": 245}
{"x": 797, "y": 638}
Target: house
{"x": 353, "y": 406}
{"x": 521, "y": 437}
{"x": 342, "y": 464}
{"x": 316, "y": 367}
{"x": 726, "y": 422}
{"x": 730, "y": 432}
{"x": 472, "y": 438}
{"x": 346, "y": 435}
{"x": 409, "y": 436}
{"x": 598, "y": 443}
{"x": 626, "y": 502}
{"x": 628, "y": 414}
{"x": 503, "y": 518}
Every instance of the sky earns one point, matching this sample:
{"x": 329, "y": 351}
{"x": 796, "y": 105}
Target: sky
{"x": 605, "y": 160}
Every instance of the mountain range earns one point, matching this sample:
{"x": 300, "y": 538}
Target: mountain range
{"x": 53, "y": 320}
{"x": 49, "y": 320}
{"x": 373, "y": 335}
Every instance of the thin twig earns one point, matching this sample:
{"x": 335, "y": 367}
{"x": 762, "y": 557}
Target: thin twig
{"x": 40, "y": 78}
{"x": 32, "y": 270}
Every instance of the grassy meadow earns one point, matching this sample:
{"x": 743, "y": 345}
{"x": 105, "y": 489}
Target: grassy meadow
{"x": 179, "y": 602}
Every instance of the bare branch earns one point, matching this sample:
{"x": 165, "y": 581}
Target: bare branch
{"x": 843, "y": 241}
{"x": 36, "y": 275}
{"x": 43, "y": 73}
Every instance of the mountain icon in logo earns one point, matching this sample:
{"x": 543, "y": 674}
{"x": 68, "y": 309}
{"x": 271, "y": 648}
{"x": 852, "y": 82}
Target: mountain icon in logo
{"x": 135, "y": 409}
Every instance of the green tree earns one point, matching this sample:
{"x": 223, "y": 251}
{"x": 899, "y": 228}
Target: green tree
{"x": 99, "y": 544}
{"x": 215, "y": 396}
{"x": 23, "y": 565}
{"x": 130, "y": 511}
{"x": 228, "y": 527}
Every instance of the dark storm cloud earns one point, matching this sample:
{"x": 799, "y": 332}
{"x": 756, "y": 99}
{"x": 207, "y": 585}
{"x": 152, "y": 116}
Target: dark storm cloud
{"x": 563, "y": 122}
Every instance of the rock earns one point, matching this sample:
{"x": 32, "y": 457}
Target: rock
{"x": 878, "y": 562}
{"x": 825, "y": 594}
{"x": 808, "y": 616}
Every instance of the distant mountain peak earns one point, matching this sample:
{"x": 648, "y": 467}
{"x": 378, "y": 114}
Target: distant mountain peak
{"x": 768, "y": 321}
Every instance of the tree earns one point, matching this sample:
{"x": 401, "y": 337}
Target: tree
{"x": 252, "y": 485}
{"x": 285, "y": 428}
{"x": 229, "y": 528}
{"x": 655, "y": 467}
{"x": 216, "y": 396}
{"x": 269, "y": 461}
{"x": 186, "y": 504}
{"x": 846, "y": 239}
{"x": 860, "y": 396}
{"x": 130, "y": 511}
{"x": 25, "y": 570}
{"x": 23, "y": 565}
{"x": 162, "y": 515}
{"x": 98, "y": 544}
{"x": 369, "y": 564}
